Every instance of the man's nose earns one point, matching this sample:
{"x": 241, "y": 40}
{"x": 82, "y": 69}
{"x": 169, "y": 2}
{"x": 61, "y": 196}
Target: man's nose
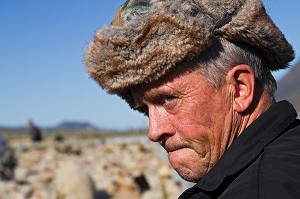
{"x": 159, "y": 125}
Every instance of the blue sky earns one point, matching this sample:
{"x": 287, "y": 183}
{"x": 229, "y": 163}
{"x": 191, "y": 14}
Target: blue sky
{"x": 42, "y": 76}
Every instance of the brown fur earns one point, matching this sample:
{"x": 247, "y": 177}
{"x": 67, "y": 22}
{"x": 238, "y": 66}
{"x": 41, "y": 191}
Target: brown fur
{"x": 147, "y": 47}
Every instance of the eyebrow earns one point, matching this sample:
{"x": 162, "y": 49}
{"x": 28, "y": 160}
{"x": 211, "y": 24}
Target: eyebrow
{"x": 154, "y": 94}
{"x": 149, "y": 96}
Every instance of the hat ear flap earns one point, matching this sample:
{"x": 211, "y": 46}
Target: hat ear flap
{"x": 252, "y": 25}
{"x": 117, "y": 21}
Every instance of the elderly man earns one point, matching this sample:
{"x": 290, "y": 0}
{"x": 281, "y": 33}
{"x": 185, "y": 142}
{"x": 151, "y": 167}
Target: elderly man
{"x": 201, "y": 71}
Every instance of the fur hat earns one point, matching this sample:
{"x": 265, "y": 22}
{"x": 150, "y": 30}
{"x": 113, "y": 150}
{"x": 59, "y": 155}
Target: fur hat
{"x": 149, "y": 37}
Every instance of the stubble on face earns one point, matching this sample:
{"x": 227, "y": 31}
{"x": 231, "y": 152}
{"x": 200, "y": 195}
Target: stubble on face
{"x": 193, "y": 131}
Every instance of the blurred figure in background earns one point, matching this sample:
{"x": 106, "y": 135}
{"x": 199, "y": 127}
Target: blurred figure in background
{"x": 7, "y": 161}
{"x": 35, "y": 132}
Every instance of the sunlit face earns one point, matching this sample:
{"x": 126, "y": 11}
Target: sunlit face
{"x": 190, "y": 118}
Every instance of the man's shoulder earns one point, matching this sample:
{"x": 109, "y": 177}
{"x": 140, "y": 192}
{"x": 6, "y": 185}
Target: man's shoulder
{"x": 279, "y": 166}
{"x": 288, "y": 141}
{"x": 285, "y": 149}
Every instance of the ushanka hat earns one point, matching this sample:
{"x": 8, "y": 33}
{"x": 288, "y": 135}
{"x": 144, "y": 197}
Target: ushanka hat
{"x": 149, "y": 37}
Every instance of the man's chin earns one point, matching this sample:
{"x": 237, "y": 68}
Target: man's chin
{"x": 189, "y": 170}
{"x": 189, "y": 176}
{"x": 186, "y": 173}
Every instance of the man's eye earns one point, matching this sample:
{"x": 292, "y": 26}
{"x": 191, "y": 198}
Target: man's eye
{"x": 168, "y": 99}
{"x": 170, "y": 102}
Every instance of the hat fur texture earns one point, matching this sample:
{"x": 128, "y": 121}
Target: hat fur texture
{"x": 143, "y": 46}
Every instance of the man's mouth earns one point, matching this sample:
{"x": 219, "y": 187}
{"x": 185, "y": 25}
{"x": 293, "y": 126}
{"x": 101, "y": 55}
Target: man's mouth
{"x": 171, "y": 147}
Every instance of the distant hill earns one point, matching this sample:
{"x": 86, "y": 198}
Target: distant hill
{"x": 62, "y": 127}
{"x": 289, "y": 87}
{"x": 12, "y": 130}
{"x": 72, "y": 127}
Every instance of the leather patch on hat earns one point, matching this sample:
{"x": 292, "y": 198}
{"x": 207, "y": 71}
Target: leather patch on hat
{"x": 129, "y": 12}
{"x": 117, "y": 21}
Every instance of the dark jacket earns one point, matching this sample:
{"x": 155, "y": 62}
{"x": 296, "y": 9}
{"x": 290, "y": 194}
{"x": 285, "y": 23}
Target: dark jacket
{"x": 263, "y": 162}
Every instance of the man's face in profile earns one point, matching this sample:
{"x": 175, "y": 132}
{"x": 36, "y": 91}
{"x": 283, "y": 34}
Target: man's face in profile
{"x": 189, "y": 117}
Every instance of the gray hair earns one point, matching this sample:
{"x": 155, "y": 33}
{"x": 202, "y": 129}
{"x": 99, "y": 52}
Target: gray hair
{"x": 223, "y": 55}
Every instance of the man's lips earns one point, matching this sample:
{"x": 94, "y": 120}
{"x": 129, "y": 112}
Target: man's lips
{"x": 171, "y": 147}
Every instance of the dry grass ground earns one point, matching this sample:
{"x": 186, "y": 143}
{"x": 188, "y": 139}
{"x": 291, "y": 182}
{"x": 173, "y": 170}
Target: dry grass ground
{"x": 104, "y": 166}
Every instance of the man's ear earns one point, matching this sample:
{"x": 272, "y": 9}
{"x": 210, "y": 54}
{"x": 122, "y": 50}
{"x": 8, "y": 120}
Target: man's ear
{"x": 242, "y": 81}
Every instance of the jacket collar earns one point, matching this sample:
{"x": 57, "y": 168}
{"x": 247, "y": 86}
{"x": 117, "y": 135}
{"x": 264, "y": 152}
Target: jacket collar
{"x": 249, "y": 145}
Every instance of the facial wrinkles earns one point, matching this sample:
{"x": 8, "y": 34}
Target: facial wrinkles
{"x": 198, "y": 154}
{"x": 207, "y": 148}
{"x": 217, "y": 141}
{"x": 185, "y": 94}
{"x": 201, "y": 144}
{"x": 175, "y": 85}
{"x": 236, "y": 119}
{"x": 182, "y": 92}
{"x": 244, "y": 121}
{"x": 223, "y": 133}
